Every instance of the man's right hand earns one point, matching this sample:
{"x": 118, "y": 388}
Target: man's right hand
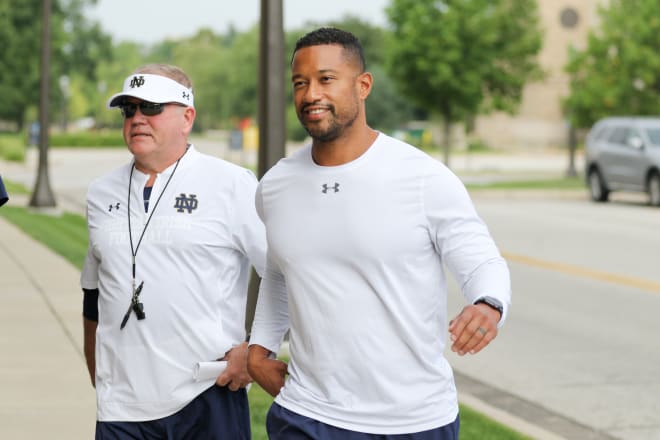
{"x": 268, "y": 373}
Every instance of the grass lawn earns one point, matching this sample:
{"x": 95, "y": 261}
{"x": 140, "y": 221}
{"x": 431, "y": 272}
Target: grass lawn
{"x": 15, "y": 188}
{"x": 564, "y": 183}
{"x": 259, "y": 403}
{"x": 67, "y": 236}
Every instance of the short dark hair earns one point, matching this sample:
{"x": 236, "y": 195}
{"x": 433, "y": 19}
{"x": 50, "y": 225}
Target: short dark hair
{"x": 331, "y": 35}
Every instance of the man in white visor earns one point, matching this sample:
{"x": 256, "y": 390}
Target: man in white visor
{"x": 172, "y": 237}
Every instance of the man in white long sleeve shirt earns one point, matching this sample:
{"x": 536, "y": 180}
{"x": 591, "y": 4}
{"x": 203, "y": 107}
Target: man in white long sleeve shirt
{"x": 359, "y": 226}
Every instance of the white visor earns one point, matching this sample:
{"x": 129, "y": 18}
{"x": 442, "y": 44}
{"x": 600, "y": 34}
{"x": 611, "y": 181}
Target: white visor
{"x": 153, "y": 88}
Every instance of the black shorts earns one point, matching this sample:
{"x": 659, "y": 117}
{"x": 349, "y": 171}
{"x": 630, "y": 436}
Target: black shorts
{"x": 216, "y": 414}
{"x": 283, "y": 424}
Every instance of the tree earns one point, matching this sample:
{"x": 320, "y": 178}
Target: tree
{"x": 19, "y": 64}
{"x": 242, "y": 75}
{"x": 456, "y": 58}
{"x": 387, "y": 108}
{"x": 205, "y": 57}
{"x": 619, "y": 71}
{"x": 77, "y": 45}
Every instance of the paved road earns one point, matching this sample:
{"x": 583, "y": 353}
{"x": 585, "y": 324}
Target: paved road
{"x": 583, "y": 337}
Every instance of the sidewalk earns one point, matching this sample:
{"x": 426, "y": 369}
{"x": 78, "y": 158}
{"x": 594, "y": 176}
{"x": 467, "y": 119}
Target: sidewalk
{"x": 46, "y": 391}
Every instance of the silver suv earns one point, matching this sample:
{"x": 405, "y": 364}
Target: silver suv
{"x": 623, "y": 154}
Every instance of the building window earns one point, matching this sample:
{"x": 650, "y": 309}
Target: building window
{"x": 569, "y": 18}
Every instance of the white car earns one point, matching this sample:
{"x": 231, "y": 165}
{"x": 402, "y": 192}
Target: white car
{"x": 623, "y": 154}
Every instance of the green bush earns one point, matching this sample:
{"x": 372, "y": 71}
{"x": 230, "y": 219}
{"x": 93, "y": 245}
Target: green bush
{"x": 478, "y": 145}
{"x": 12, "y": 147}
{"x": 87, "y": 139}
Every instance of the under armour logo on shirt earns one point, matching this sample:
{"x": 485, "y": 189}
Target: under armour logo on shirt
{"x": 111, "y": 207}
{"x": 325, "y": 188}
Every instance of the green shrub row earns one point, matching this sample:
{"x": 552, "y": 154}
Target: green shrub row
{"x": 87, "y": 139}
{"x": 12, "y": 147}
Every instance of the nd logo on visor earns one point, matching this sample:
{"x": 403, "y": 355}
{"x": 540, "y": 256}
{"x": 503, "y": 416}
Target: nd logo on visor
{"x": 137, "y": 81}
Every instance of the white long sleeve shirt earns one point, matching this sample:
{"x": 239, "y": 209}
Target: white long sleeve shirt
{"x": 355, "y": 271}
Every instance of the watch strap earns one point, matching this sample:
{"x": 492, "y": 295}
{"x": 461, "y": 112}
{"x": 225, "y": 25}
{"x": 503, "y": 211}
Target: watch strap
{"x": 491, "y": 302}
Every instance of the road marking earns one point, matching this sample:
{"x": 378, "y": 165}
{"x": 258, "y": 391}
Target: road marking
{"x": 638, "y": 283}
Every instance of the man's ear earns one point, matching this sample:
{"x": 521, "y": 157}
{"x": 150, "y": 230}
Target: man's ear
{"x": 189, "y": 115}
{"x": 365, "y": 82}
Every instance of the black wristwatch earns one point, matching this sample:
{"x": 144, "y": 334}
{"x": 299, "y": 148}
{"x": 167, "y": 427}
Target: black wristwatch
{"x": 492, "y": 302}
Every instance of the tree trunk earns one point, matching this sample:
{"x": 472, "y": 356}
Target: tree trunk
{"x": 446, "y": 141}
{"x": 572, "y": 146}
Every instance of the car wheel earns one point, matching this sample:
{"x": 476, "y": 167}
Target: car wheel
{"x": 654, "y": 189}
{"x": 597, "y": 188}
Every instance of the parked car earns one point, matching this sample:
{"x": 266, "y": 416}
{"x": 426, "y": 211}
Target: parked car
{"x": 623, "y": 154}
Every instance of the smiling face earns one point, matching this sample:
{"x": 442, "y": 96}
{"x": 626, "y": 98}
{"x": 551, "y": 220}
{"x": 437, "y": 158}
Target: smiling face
{"x": 329, "y": 89}
{"x": 158, "y": 141}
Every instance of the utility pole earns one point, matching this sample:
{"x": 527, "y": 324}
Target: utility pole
{"x": 272, "y": 136}
{"x": 42, "y": 196}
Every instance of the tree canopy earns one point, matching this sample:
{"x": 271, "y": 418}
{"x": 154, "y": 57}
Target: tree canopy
{"x": 456, "y": 58}
{"x": 618, "y": 73}
{"x": 77, "y": 45}
{"x": 19, "y": 73}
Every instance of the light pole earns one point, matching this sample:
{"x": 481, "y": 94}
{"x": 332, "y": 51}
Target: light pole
{"x": 42, "y": 196}
{"x": 271, "y": 107}
{"x": 271, "y": 86}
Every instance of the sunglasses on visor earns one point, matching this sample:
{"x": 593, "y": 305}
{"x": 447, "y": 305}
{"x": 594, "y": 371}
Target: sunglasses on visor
{"x": 128, "y": 109}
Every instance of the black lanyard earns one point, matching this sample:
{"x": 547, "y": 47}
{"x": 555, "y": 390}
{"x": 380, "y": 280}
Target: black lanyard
{"x": 136, "y": 306}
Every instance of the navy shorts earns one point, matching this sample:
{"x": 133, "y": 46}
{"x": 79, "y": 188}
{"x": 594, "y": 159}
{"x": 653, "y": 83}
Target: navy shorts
{"x": 216, "y": 414}
{"x": 283, "y": 424}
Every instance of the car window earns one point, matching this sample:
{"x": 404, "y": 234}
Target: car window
{"x": 654, "y": 136}
{"x": 634, "y": 139}
{"x": 618, "y": 135}
{"x": 602, "y": 133}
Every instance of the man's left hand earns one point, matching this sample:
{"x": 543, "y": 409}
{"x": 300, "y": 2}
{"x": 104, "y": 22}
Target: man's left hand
{"x": 235, "y": 375}
{"x": 473, "y": 328}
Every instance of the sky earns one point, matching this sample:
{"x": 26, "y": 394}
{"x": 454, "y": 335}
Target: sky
{"x": 151, "y": 21}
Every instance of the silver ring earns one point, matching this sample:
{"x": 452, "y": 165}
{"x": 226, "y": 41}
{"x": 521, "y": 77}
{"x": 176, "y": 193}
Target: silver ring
{"x": 482, "y": 330}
